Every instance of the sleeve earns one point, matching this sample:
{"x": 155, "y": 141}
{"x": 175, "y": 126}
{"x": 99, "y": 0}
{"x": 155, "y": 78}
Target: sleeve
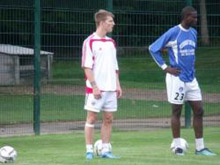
{"x": 87, "y": 55}
{"x": 116, "y": 60}
{"x": 156, "y": 47}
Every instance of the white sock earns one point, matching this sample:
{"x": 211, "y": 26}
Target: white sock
{"x": 105, "y": 147}
{"x": 177, "y": 142}
{"x": 199, "y": 144}
{"x": 89, "y": 148}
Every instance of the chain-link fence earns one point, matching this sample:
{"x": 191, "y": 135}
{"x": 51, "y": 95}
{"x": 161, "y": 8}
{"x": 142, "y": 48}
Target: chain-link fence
{"x": 64, "y": 26}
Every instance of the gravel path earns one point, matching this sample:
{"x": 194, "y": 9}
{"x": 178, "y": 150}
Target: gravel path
{"x": 128, "y": 93}
{"x": 122, "y": 124}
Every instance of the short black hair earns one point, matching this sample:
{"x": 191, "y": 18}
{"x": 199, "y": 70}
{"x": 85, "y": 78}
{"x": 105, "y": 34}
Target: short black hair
{"x": 186, "y": 11}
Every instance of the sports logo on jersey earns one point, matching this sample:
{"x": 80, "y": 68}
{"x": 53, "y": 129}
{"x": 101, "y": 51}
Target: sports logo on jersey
{"x": 187, "y": 48}
{"x": 93, "y": 102}
{"x": 186, "y": 43}
{"x": 180, "y": 89}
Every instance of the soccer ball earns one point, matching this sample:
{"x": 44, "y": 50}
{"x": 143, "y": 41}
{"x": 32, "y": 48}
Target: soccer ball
{"x": 183, "y": 143}
{"x": 7, "y": 154}
{"x": 98, "y": 147}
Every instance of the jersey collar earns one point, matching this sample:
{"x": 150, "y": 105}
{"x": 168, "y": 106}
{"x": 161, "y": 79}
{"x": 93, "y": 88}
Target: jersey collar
{"x": 182, "y": 28}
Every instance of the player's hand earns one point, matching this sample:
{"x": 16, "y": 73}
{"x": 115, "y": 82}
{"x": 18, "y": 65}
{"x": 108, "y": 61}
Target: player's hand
{"x": 119, "y": 92}
{"x": 173, "y": 71}
{"x": 97, "y": 93}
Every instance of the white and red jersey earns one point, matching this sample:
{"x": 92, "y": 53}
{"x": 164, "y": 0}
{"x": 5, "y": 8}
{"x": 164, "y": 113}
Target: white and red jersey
{"x": 99, "y": 54}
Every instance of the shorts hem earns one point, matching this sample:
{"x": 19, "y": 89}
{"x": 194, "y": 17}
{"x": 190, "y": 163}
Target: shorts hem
{"x": 171, "y": 102}
{"x": 193, "y": 100}
{"x": 91, "y": 109}
{"x": 109, "y": 110}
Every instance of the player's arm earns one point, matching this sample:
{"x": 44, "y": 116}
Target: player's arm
{"x": 155, "y": 50}
{"x": 173, "y": 71}
{"x": 118, "y": 86}
{"x": 90, "y": 76}
{"x": 87, "y": 63}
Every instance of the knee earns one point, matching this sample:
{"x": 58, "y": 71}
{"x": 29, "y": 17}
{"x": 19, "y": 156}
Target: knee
{"x": 108, "y": 120}
{"x": 91, "y": 119}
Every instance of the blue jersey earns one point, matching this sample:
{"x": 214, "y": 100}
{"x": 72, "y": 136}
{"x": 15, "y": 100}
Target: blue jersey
{"x": 181, "y": 44}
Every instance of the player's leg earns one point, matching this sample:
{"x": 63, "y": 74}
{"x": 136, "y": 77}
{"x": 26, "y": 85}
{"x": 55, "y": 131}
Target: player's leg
{"x": 89, "y": 133}
{"x": 176, "y": 125}
{"x": 175, "y": 94}
{"x": 194, "y": 98}
{"x": 106, "y": 130}
{"x": 175, "y": 120}
{"x": 109, "y": 107}
{"x": 197, "y": 118}
{"x": 106, "y": 135}
{"x": 92, "y": 106}
{"x": 89, "y": 128}
{"x": 198, "y": 128}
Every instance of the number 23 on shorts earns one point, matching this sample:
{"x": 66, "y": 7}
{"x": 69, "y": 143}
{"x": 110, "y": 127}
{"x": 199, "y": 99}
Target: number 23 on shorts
{"x": 179, "y": 96}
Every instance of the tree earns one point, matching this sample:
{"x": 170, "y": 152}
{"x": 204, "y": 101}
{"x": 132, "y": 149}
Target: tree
{"x": 204, "y": 26}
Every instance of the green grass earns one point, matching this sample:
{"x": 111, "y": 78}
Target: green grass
{"x": 135, "y": 148}
{"x": 140, "y": 71}
{"x": 70, "y": 108}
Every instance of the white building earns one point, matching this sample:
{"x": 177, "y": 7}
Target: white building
{"x": 16, "y": 65}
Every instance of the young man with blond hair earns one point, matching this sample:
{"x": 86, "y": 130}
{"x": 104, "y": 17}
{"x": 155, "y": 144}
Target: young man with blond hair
{"x": 100, "y": 65}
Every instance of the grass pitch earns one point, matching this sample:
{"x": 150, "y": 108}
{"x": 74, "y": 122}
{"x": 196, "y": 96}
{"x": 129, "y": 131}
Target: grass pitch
{"x": 19, "y": 109}
{"x": 135, "y": 148}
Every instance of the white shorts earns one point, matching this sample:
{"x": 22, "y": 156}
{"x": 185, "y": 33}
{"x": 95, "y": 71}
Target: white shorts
{"x": 179, "y": 91}
{"x": 107, "y": 103}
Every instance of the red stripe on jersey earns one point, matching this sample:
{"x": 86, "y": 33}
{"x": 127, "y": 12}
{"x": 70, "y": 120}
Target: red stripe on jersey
{"x": 101, "y": 40}
{"x": 89, "y": 90}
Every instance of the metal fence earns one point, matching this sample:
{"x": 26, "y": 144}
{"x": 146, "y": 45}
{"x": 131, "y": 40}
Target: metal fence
{"x": 64, "y": 24}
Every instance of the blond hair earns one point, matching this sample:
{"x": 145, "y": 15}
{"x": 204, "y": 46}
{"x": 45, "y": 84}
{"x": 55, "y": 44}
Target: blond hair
{"x": 102, "y": 15}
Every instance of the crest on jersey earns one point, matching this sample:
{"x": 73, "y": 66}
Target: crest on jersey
{"x": 93, "y": 102}
{"x": 180, "y": 89}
